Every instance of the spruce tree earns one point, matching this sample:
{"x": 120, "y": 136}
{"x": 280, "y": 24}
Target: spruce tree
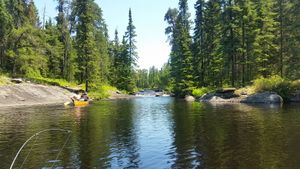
{"x": 130, "y": 36}
{"x": 198, "y": 44}
{"x": 292, "y": 40}
{"x": 181, "y": 54}
{"x": 5, "y": 28}
{"x": 129, "y": 55}
{"x": 88, "y": 24}
{"x": 265, "y": 48}
{"x": 65, "y": 39}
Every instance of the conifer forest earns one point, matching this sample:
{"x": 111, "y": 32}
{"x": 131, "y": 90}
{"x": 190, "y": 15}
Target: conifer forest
{"x": 229, "y": 43}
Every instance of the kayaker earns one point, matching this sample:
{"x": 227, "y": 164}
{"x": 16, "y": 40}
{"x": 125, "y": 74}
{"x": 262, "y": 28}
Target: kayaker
{"x": 84, "y": 97}
{"x": 76, "y": 96}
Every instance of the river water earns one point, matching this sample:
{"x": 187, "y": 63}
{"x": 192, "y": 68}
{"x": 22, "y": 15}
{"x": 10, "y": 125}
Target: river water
{"x": 152, "y": 132}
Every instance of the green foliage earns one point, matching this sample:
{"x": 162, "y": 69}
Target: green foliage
{"x": 154, "y": 78}
{"x": 101, "y": 91}
{"x": 181, "y": 58}
{"x": 198, "y": 92}
{"x": 4, "y": 80}
{"x": 276, "y": 84}
{"x": 124, "y": 57}
{"x": 234, "y": 42}
{"x": 55, "y": 82}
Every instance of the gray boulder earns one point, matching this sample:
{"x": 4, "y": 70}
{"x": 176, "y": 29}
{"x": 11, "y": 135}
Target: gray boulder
{"x": 264, "y": 97}
{"x": 189, "y": 98}
{"x": 295, "y": 98}
{"x": 220, "y": 97}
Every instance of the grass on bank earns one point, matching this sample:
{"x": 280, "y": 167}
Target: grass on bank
{"x": 56, "y": 82}
{"x": 96, "y": 91}
{"x": 101, "y": 91}
{"x": 4, "y": 80}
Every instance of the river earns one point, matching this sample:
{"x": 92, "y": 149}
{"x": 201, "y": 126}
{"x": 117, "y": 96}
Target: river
{"x": 153, "y": 132}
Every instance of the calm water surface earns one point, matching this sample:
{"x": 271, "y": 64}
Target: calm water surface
{"x": 153, "y": 133}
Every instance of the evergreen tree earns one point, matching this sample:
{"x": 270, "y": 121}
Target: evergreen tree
{"x": 212, "y": 49}
{"x": 171, "y": 31}
{"x": 17, "y": 9}
{"x": 142, "y": 81}
{"x": 5, "y": 28}
{"x": 184, "y": 43}
{"x": 26, "y": 47}
{"x": 55, "y": 49}
{"x": 88, "y": 24}
{"x": 292, "y": 39}
{"x": 32, "y": 14}
{"x": 198, "y": 45}
{"x": 130, "y": 36}
{"x": 114, "y": 52}
{"x": 164, "y": 77}
{"x": 65, "y": 38}
{"x": 181, "y": 55}
{"x": 126, "y": 80}
{"x": 128, "y": 57}
{"x": 265, "y": 47}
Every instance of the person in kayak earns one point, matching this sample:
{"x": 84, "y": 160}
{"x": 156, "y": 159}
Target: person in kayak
{"x": 84, "y": 97}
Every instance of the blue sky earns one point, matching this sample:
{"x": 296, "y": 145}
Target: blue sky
{"x": 148, "y": 17}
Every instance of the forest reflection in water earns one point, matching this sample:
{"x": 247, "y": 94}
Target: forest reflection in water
{"x": 154, "y": 132}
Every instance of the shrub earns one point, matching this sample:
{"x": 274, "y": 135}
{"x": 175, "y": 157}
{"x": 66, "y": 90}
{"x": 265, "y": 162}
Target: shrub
{"x": 101, "y": 91}
{"x": 4, "y": 80}
{"x": 55, "y": 82}
{"x": 245, "y": 90}
{"x": 296, "y": 85}
{"x": 198, "y": 92}
{"x": 281, "y": 86}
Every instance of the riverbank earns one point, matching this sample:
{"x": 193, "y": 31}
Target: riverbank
{"x": 274, "y": 89}
{"x": 29, "y": 94}
{"x": 32, "y": 94}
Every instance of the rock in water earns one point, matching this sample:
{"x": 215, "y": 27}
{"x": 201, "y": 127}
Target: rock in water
{"x": 265, "y": 97}
{"x": 17, "y": 80}
{"x": 189, "y": 98}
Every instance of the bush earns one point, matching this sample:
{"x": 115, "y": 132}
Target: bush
{"x": 4, "y": 80}
{"x": 281, "y": 86}
{"x": 296, "y": 85}
{"x": 100, "y": 91}
{"x": 55, "y": 82}
{"x": 198, "y": 92}
{"x": 245, "y": 90}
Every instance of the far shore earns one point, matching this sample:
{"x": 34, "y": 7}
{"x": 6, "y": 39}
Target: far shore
{"x": 30, "y": 95}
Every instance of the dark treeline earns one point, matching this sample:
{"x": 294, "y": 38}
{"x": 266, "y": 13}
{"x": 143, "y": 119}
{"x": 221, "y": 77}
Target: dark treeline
{"x": 75, "y": 46}
{"x": 233, "y": 42}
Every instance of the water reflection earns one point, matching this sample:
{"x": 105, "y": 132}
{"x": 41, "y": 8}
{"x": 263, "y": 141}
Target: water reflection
{"x": 154, "y": 133}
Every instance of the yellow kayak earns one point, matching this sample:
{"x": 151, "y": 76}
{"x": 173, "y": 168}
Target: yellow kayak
{"x": 80, "y": 103}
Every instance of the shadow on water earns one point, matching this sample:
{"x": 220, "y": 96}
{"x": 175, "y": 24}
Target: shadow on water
{"x": 154, "y": 133}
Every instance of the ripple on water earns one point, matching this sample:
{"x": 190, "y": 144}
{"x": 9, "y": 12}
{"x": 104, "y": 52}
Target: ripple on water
{"x": 155, "y": 133}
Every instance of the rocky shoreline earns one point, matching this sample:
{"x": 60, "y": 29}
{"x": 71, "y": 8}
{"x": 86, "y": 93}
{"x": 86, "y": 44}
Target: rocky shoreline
{"x": 264, "y": 97}
{"x": 25, "y": 94}
{"x": 28, "y": 94}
